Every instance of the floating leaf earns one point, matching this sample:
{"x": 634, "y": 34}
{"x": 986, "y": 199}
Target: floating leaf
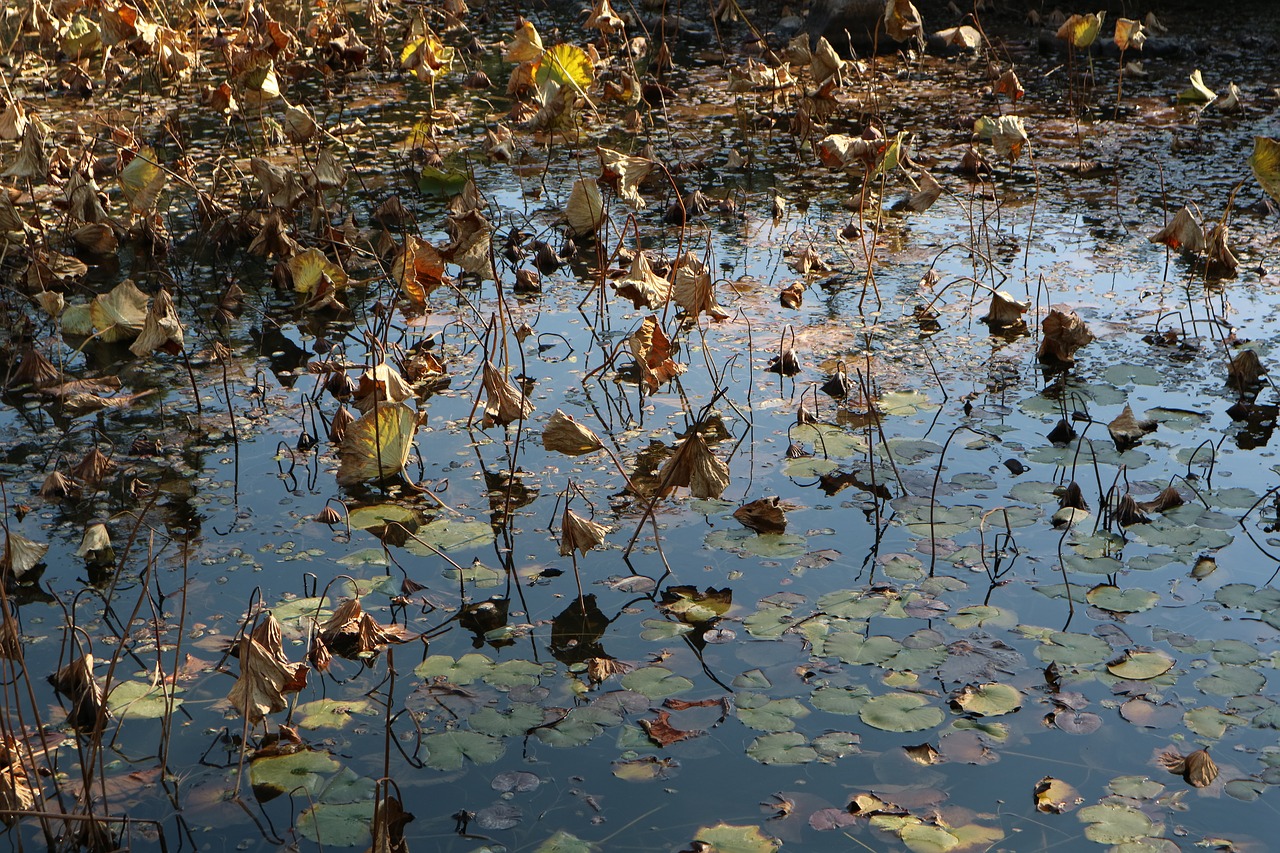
{"x": 1116, "y": 600}
{"x": 448, "y": 750}
{"x": 1055, "y": 796}
{"x": 1140, "y": 666}
{"x": 728, "y": 838}
{"x": 783, "y": 748}
{"x": 901, "y": 712}
{"x": 987, "y": 700}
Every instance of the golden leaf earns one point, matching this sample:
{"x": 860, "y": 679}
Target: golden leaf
{"x": 579, "y": 534}
{"x": 565, "y": 435}
{"x": 585, "y": 209}
{"x": 527, "y": 45}
{"x": 825, "y": 62}
{"x": 1081, "y": 30}
{"x": 694, "y": 466}
{"x": 651, "y": 349}
{"x": 376, "y": 446}
{"x": 161, "y": 329}
{"x": 624, "y": 172}
{"x": 644, "y": 287}
{"x": 694, "y": 290}
{"x": 1265, "y": 162}
{"x": 1183, "y": 232}
{"x": 507, "y": 403}
{"x": 120, "y": 314}
{"x": 1129, "y": 34}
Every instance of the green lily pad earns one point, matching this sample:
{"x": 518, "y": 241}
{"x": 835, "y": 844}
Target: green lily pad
{"x": 853, "y": 648}
{"x": 903, "y": 567}
{"x": 1116, "y": 823}
{"x": 852, "y": 604}
{"x": 927, "y": 838}
{"x": 1234, "y": 652}
{"x": 1116, "y": 600}
{"x": 516, "y": 720}
{"x": 447, "y": 534}
{"x": 575, "y": 730}
{"x": 467, "y": 669}
{"x": 447, "y": 750}
{"x": 1210, "y": 722}
{"x": 769, "y": 715}
{"x": 1135, "y": 787}
{"x": 661, "y": 630}
{"x": 1245, "y": 790}
{"x": 476, "y": 574}
{"x": 901, "y": 712}
{"x": 304, "y": 770}
{"x": 1246, "y": 596}
{"x": 565, "y": 842}
{"x": 1140, "y": 666}
{"x": 333, "y": 713}
{"x": 831, "y": 441}
{"x": 837, "y": 744}
{"x": 782, "y": 748}
{"x": 514, "y": 673}
{"x": 769, "y": 622}
{"x": 656, "y": 682}
{"x": 1232, "y": 681}
{"x": 981, "y": 616}
{"x": 365, "y": 517}
{"x": 337, "y": 824}
{"x": 728, "y": 838}
{"x": 1068, "y": 648}
{"x": 776, "y": 546}
{"x": 142, "y": 701}
{"x": 840, "y": 700}
{"x": 987, "y": 700}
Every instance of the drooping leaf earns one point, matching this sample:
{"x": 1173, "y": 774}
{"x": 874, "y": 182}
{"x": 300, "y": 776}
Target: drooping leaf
{"x": 376, "y": 446}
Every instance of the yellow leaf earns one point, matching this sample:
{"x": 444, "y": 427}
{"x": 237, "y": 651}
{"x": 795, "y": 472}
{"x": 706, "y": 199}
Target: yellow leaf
{"x": 564, "y": 64}
{"x": 1082, "y": 30}
{"x": 120, "y": 314}
{"x": 1265, "y": 162}
{"x": 376, "y": 447}
{"x": 527, "y": 45}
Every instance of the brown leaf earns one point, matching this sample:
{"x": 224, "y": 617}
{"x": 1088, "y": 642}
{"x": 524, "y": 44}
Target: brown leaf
{"x": 1183, "y": 232}
{"x": 261, "y": 686}
{"x": 565, "y": 435}
{"x": 76, "y": 682}
{"x": 1005, "y": 312}
{"x": 600, "y": 669}
{"x": 1197, "y": 768}
{"x": 161, "y": 329}
{"x": 16, "y": 793}
{"x": 1222, "y": 261}
{"x": 381, "y": 383}
{"x": 902, "y": 20}
{"x": 661, "y": 732}
{"x": 507, "y": 403}
{"x": 1063, "y": 332}
{"x": 766, "y": 515}
{"x": 418, "y": 269}
{"x": 924, "y": 754}
{"x": 694, "y": 466}
{"x": 351, "y": 632}
{"x": 1126, "y": 430}
{"x": 389, "y": 820}
{"x": 792, "y": 296}
{"x": 93, "y": 467}
{"x": 470, "y": 247}
{"x": 579, "y": 534}
{"x": 652, "y": 350}
{"x": 1245, "y": 372}
{"x": 644, "y": 287}
{"x": 1128, "y": 512}
{"x": 694, "y": 290}
{"x": 32, "y": 163}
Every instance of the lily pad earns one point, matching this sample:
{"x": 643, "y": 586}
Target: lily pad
{"x": 987, "y": 700}
{"x": 1117, "y": 600}
{"x": 901, "y": 712}
{"x": 1140, "y": 666}
{"x": 1232, "y": 681}
{"x": 448, "y": 750}
{"x": 1068, "y": 648}
{"x": 447, "y": 534}
{"x": 840, "y": 700}
{"x": 656, "y": 682}
{"x": 728, "y": 838}
{"x": 769, "y": 715}
{"x": 782, "y": 748}
{"x": 333, "y": 713}
{"x": 337, "y": 824}
{"x": 304, "y": 771}
{"x": 142, "y": 701}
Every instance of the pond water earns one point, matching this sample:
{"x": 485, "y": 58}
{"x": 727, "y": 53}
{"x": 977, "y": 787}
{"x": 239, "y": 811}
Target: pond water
{"x": 835, "y": 601}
